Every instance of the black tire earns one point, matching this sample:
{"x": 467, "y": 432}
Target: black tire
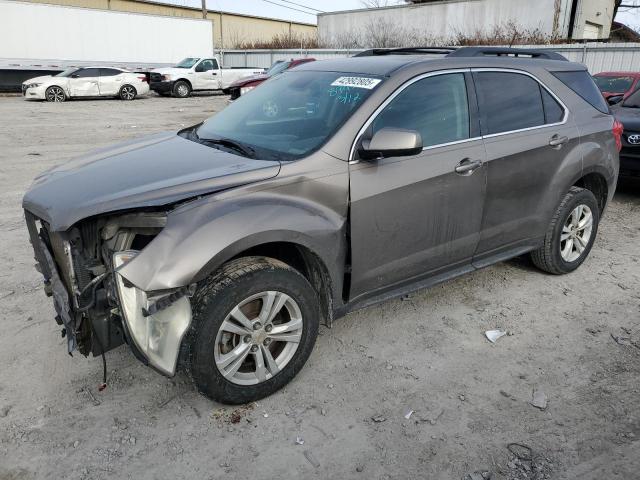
{"x": 214, "y": 300}
{"x": 55, "y": 94}
{"x": 548, "y": 257}
{"x": 127, "y": 92}
{"x": 181, "y": 89}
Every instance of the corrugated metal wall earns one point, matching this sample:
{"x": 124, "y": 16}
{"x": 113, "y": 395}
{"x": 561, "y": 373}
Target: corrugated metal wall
{"x": 599, "y": 57}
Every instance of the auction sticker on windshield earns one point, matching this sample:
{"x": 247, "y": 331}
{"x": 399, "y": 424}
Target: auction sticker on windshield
{"x": 358, "y": 82}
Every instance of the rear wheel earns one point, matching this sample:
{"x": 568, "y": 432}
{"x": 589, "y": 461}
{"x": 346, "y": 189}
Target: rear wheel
{"x": 181, "y": 89}
{"x": 127, "y": 92}
{"x": 571, "y": 233}
{"x": 255, "y": 324}
{"x": 55, "y": 94}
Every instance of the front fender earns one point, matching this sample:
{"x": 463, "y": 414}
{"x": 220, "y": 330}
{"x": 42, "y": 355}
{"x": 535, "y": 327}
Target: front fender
{"x": 200, "y": 236}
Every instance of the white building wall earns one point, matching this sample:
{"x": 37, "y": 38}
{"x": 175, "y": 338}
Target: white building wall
{"x": 443, "y": 19}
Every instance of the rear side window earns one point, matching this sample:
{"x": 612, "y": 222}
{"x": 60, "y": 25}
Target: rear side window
{"x": 508, "y": 102}
{"x": 437, "y": 107}
{"x": 553, "y": 111}
{"x": 582, "y": 83}
{"x": 109, "y": 72}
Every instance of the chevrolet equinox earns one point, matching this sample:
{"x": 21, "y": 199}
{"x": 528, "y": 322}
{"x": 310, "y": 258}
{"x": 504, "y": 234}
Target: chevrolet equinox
{"x": 221, "y": 248}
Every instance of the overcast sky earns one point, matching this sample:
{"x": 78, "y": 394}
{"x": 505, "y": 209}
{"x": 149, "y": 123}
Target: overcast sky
{"x": 290, "y": 11}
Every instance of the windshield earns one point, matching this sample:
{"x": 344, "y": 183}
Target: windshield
{"x": 187, "y": 63}
{"x": 278, "y": 67}
{"x": 613, "y": 84}
{"x": 66, "y": 73}
{"x": 292, "y": 114}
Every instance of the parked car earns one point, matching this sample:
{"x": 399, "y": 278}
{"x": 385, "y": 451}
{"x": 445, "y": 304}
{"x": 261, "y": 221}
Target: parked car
{"x": 332, "y": 187}
{"x": 196, "y": 75}
{"x": 86, "y": 82}
{"x": 617, "y": 84}
{"x": 244, "y": 85}
{"x": 628, "y": 113}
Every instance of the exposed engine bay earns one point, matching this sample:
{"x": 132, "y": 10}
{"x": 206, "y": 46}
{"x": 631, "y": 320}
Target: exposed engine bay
{"x": 97, "y": 307}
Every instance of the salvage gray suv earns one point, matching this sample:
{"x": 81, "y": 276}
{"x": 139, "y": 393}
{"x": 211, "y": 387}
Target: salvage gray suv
{"x": 221, "y": 248}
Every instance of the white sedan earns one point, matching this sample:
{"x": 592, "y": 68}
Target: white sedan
{"x": 86, "y": 82}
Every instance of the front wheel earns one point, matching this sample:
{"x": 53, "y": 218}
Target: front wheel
{"x": 128, "y": 92}
{"x": 55, "y": 94}
{"x": 255, "y": 323}
{"x": 571, "y": 233}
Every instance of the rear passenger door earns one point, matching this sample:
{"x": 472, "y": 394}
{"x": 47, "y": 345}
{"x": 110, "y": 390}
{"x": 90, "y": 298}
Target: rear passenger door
{"x": 110, "y": 81}
{"x": 529, "y": 137}
{"x": 84, "y": 83}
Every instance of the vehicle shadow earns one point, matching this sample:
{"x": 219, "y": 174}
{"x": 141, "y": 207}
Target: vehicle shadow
{"x": 628, "y": 189}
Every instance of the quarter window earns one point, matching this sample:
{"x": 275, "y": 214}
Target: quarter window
{"x": 508, "y": 102}
{"x": 437, "y": 107}
{"x": 582, "y": 83}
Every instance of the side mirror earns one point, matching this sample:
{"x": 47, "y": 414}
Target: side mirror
{"x": 391, "y": 142}
{"x": 615, "y": 99}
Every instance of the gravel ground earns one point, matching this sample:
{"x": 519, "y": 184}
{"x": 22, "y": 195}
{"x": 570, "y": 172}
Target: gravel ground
{"x": 349, "y": 406}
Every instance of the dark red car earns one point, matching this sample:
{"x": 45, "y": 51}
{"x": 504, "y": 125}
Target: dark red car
{"x": 615, "y": 84}
{"x": 242, "y": 86}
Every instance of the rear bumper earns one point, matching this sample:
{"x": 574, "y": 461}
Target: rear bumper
{"x": 161, "y": 87}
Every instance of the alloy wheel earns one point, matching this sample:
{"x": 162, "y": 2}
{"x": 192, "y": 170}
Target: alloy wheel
{"x": 55, "y": 94}
{"x": 128, "y": 93}
{"x": 258, "y": 338}
{"x": 576, "y": 233}
{"x": 183, "y": 91}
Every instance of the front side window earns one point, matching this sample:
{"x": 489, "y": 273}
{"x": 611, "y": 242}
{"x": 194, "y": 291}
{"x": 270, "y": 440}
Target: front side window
{"x": 291, "y": 115}
{"x": 508, "y": 102}
{"x": 611, "y": 84}
{"x": 206, "y": 65}
{"x": 436, "y": 107}
{"x": 66, "y": 73}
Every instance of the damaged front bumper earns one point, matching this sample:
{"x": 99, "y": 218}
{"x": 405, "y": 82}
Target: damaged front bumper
{"x": 156, "y": 323}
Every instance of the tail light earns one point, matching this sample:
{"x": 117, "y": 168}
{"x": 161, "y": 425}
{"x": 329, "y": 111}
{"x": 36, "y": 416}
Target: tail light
{"x": 143, "y": 78}
{"x": 618, "y": 129}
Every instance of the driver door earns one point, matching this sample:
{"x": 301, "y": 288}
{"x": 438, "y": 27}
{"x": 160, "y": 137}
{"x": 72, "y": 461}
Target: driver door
{"x": 206, "y": 74}
{"x": 419, "y": 216}
{"x": 84, "y": 83}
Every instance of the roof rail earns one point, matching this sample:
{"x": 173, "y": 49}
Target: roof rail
{"x": 505, "y": 52}
{"x": 406, "y": 51}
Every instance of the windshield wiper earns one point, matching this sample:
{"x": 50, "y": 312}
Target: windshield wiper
{"x": 231, "y": 144}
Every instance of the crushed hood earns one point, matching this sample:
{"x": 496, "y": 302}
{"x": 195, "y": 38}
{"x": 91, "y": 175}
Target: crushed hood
{"x": 151, "y": 171}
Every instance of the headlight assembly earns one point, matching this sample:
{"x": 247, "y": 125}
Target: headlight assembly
{"x": 156, "y": 323}
{"x": 33, "y": 85}
{"x": 245, "y": 90}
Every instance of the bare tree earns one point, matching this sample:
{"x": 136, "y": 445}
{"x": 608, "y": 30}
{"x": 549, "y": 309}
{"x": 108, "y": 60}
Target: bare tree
{"x": 378, "y": 3}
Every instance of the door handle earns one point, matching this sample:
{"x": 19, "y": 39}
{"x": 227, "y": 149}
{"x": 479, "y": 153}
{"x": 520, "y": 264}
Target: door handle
{"x": 467, "y": 166}
{"x": 214, "y": 73}
{"x": 558, "y": 141}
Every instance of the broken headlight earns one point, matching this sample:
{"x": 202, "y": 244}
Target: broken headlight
{"x": 156, "y": 323}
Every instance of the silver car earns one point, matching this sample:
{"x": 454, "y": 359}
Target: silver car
{"x": 222, "y": 248}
